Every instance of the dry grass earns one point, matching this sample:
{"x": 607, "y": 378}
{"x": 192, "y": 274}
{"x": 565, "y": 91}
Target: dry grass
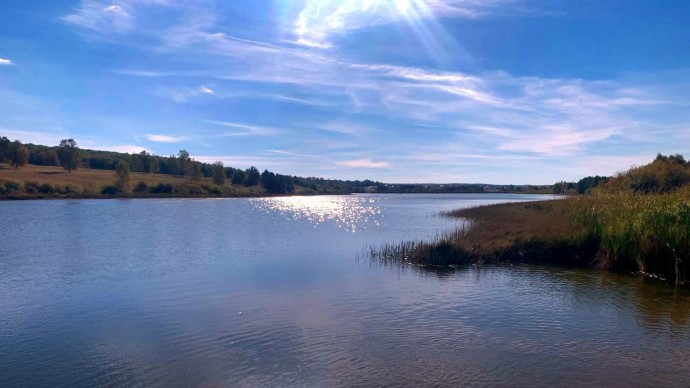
{"x": 545, "y": 231}
{"x": 90, "y": 182}
{"x": 501, "y": 226}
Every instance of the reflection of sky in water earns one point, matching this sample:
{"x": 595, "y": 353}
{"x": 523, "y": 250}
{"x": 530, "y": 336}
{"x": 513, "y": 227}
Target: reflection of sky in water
{"x": 350, "y": 212}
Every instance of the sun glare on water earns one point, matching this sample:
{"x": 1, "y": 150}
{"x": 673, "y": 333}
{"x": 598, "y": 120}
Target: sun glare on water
{"x": 351, "y": 213}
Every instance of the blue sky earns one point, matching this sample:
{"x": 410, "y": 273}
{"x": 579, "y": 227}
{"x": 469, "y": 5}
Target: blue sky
{"x": 493, "y": 91}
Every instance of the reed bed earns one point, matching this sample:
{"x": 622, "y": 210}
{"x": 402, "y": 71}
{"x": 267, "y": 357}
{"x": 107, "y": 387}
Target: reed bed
{"x": 648, "y": 234}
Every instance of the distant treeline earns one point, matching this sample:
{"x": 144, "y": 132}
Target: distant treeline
{"x": 69, "y": 156}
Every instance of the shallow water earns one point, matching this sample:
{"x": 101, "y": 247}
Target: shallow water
{"x": 269, "y": 292}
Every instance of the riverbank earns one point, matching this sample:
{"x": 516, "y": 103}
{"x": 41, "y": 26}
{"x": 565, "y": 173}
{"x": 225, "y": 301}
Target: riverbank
{"x": 646, "y": 235}
{"x": 49, "y": 182}
{"x": 637, "y": 221}
{"x": 541, "y": 231}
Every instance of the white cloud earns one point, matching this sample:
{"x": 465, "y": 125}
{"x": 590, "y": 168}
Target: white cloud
{"x": 481, "y": 116}
{"x": 245, "y": 129}
{"x": 362, "y": 163}
{"x": 206, "y": 90}
{"x": 101, "y": 17}
{"x": 319, "y": 20}
{"x": 6, "y": 62}
{"x": 183, "y": 93}
{"x": 35, "y": 137}
{"x": 125, "y": 148}
{"x": 167, "y": 138}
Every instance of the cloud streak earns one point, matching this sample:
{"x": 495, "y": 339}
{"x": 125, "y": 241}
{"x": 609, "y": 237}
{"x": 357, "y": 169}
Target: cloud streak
{"x": 363, "y": 163}
{"x": 299, "y": 91}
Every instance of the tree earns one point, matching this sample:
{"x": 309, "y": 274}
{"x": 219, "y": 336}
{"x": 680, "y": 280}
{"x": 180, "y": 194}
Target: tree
{"x": 252, "y": 177}
{"x": 68, "y": 154}
{"x": 218, "y": 173}
{"x": 4, "y": 148}
{"x": 184, "y": 162}
{"x": 19, "y": 155}
{"x": 194, "y": 170}
{"x": 123, "y": 183}
{"x": 238, "y": 177}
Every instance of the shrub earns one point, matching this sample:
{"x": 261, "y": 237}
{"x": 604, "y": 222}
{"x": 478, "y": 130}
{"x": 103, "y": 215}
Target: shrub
{"x": 188, "y": 189}
{"x": 141, "y": 187}
{"x": 46, "y": 188}
{"x": 162, "y": 188}
{"x": 214, "y": 190}
{"x": 31, "y": 187}
{"x": 109, "y": 190}
{"x": 12, "y": 187}
{"x": 67, "y": 189}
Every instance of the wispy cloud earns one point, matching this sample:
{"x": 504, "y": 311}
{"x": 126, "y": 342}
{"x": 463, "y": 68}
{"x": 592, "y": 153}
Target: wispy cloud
{"x": 183, "y": 93}
{"x": 6, "y": 62}
{"x": 319, "y": 20}
{"x": 482, "y": 117}
{"x": 101, "y": 16}
{"x": 363, "y": 163}
{"x": 126, "y": 148}
{"x": 35, "y": 137}
{"x": 245, "y": 129}
{"x": 206, "y": 90}
{"x": 167, "y": 138}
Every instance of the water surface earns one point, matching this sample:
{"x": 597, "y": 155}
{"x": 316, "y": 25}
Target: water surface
{"x": 269, "y": 292}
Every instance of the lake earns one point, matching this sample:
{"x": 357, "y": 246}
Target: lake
{"x": 275, "y": 292}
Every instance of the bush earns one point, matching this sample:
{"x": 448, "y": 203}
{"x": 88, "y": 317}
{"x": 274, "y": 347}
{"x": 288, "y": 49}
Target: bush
{"x": 188, "y": 189}
{"x": 214, "y": 190}
{"x": 141, "y": 187}
{"x": 67, "y": 189}
{"x": 12, "y": 187}
{"x": 109, "y": 190}
{"x": 162, "y": 188}
{"x": 31, "y": 187}
{"x": 46, "y": 188}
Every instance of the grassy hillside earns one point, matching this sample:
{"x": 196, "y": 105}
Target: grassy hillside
{"x": 48, "y": 182}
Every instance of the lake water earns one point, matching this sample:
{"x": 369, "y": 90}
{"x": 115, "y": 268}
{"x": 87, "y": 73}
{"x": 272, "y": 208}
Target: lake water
{"x": 271, "y": 292}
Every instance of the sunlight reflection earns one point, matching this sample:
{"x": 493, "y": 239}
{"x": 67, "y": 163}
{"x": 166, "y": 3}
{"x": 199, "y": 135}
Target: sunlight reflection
{"x": 351, "y": 213}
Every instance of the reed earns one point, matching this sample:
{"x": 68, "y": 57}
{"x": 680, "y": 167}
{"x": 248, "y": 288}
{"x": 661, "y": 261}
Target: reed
{"x": 619, "y": 230}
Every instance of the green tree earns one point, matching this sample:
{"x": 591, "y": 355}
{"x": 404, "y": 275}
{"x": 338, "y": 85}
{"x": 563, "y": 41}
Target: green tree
{"x": 68, "y": 154}
{"x": 219, "y": 173}
{"x": 50, "y": 158}
{"x": 5, "y": 144}
{"x": 124, "y": 184}
{"x": 252, "y": 177}
{"x": 238, "y": 177}
{"x": 194, "y": 170}
{"x": 184, "y": 163}
{"x": 19, "y": 155}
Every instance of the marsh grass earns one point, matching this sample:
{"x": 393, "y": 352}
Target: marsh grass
{"x": 647, "y": 234}
{"x": 517, "y": 232}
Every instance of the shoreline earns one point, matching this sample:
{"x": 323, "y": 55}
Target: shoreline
{"x": 551, "y": 232}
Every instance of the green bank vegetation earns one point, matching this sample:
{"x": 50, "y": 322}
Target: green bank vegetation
{"x": 203, "y": 179}
{"x": 29, "y": 171}
{"x": 636, "y": 221}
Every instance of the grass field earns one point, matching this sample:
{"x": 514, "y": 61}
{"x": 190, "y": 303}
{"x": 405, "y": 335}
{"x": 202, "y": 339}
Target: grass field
{"x": 89, "y": 182}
